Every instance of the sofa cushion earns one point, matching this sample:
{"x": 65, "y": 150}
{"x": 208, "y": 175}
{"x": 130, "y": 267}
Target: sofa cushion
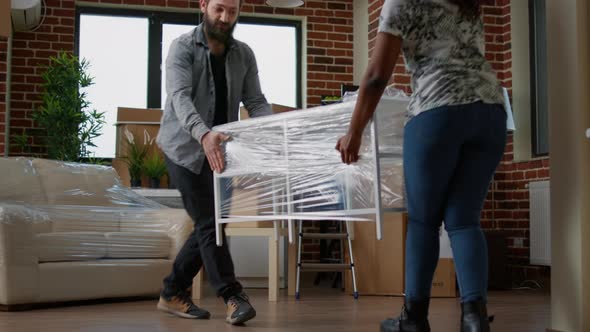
{"x": 76, "y": 184}
{"x": 138, "y": 245}
{"x": 71, "y": 246}
{"x": 73, "y": 218}
{"x": 20, "y": 182}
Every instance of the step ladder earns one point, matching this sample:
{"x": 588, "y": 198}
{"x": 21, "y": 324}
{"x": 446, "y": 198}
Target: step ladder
{"x": 325, "y": 267}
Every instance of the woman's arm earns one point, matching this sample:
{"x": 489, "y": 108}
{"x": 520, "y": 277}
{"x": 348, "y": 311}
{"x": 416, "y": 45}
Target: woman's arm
{"x": 375, "y": 79}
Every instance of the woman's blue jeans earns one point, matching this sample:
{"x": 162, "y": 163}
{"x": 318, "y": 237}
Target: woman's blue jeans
{"x": 450, "y": 156}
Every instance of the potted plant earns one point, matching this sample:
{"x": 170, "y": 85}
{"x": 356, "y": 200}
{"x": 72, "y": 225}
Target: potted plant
{"x": 68, "y": 123}
{"x": 155, "y": 168}
{"x": 135, "y": 157}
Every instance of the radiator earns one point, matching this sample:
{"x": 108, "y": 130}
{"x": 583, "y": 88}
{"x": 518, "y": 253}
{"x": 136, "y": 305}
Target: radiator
{"x": 540, "y": 243}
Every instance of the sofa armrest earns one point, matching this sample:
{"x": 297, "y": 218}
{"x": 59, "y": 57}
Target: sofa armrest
{"x": 19, "y": 268}
{"x": 180, "y": 226}
{"x": 174, "y": 222}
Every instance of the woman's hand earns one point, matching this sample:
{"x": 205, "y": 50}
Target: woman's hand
{"x": 349, "y": 147}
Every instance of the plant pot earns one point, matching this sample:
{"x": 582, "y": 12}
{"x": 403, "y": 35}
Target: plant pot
{"x": 135, "y": 183}
{"x": 154, "y": 183}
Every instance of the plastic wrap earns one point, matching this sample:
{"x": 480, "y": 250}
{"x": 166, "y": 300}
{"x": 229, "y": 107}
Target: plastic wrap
{"x": 80, "y": 216}
{"x": 285, "y": 166}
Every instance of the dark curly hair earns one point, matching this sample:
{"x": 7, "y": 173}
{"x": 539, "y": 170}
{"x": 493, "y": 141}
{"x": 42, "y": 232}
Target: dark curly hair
{"x": 469, "y": 7}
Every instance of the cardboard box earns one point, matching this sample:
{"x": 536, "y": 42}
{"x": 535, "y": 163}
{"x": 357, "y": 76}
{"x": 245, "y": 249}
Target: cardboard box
{"x": 443, "y": 283}
{"x": 136, "y": 121}
{"x": 235, "y": 209}
{"x": 5, "y": 20}
{"x": 379, "y": 264}
{"x": 139, "y": 115}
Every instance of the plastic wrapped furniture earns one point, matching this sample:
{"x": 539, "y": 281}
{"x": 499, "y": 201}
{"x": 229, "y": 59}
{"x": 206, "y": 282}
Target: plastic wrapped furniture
{"x": 286, "y": 167}
{"x": 71, "y": 232}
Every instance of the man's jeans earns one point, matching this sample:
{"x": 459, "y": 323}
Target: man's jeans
{"x": 200, "y": 249}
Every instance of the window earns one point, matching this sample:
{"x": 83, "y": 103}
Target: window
{"x": 128, "y": 65}
{"x": 118, "y": 64}
{"x": 538, "y": 47}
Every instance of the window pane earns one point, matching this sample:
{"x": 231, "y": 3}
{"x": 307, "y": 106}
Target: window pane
{"x": 541, "y": 113}
{"x": 119, "y": 65}
{"x": 277, "y": 61}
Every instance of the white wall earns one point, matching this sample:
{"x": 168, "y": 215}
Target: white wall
{"x": 569, "y": 116}
{"x": 521, "y": 76}
{"x": 361, "y": 39}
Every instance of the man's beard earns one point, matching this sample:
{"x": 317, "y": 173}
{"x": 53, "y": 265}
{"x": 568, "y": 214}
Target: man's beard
{"x": 214, "y": 32}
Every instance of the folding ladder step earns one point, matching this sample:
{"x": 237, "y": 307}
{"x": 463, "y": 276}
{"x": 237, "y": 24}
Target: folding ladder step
{"x": 324, "y": 267}
{"x": 327, "y": 236}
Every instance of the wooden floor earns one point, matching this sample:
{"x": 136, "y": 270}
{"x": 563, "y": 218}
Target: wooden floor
{"x": 321, "y": 310}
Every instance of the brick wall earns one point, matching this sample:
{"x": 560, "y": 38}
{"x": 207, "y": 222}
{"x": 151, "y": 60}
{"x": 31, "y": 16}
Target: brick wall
{"x": 3, "y": 64}
{"x": 30, "y": 56}
{"x": 508, "y": 209}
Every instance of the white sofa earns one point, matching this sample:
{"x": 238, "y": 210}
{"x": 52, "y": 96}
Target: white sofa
{"x": 72, "y": 232}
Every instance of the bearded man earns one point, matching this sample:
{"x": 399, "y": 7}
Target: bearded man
{"x": 208, "y": 74}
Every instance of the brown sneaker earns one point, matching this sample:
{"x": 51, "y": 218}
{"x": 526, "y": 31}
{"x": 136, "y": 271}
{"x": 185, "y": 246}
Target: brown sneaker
{"x": 182, "y": 306}
{"x": 239, "y": 309}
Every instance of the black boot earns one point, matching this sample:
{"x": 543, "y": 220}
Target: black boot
{"x": 414, "y": 318}
{"x": 474, "y": 317}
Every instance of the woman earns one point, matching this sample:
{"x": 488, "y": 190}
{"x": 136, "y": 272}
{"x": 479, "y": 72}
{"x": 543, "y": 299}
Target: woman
{"x": 454, "y": 139}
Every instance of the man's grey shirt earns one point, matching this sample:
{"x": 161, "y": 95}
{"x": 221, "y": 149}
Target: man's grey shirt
{"x": 190, "y": 104}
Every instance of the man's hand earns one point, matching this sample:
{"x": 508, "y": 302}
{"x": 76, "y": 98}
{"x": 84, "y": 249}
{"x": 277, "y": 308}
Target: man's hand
{"x": 349, "y": 147}
{"x": 211, "y": 143}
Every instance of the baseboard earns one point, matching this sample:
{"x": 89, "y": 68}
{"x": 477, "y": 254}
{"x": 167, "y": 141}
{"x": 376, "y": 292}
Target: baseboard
{"x": 32, "y": 306}
{"x": 259, "y": 282}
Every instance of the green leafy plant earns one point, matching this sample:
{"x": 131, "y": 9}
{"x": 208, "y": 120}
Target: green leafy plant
{"x": 97, "y": 161}
{"x": 155, "y": 167}
{"x": 70, "y": 125}
{"x": 136, "y": 154}
{"x": 21, "y": 142}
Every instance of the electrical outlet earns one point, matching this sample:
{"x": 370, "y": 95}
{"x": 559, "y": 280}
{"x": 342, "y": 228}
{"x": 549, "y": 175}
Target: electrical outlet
{"x": 519, "y": 242}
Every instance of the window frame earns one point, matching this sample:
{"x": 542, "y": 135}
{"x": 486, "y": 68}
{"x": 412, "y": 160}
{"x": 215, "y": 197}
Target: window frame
{"x": 538, "y": 79}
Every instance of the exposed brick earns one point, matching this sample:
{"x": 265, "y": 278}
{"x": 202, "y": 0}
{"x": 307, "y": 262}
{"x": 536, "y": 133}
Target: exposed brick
{"x": 262, "y": 9}
{"x": 316, "y": 51}
{"x": 157, "y": 3}
{"x": 338, "y": 37}
{"x": 340, "y": 6}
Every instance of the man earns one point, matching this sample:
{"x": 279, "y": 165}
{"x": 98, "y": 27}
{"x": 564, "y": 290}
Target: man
{"x": 208, "y": 74}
